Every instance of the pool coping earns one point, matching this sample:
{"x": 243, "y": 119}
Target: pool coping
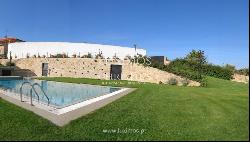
{"x": 63, "y": 116}
{"x": 10, "y": 77}
{"x": 60, "y": 107}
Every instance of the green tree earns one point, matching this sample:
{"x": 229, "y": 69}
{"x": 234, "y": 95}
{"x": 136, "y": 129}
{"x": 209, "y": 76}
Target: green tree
{"x": 230, "y": 67}
{"x": 196, "y": 57}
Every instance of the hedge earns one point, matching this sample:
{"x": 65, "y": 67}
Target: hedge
{"x": 217, "y": 71}
{"x": 194, "y": 71}
{"x": 183, "y": 68}
{"x": 244, "y": 71}
{"x": 186, "y": 69}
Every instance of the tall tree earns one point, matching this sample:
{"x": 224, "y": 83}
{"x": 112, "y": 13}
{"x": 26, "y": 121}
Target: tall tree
{"x": 230, "y": 67}
{"x": 197, "y": 57}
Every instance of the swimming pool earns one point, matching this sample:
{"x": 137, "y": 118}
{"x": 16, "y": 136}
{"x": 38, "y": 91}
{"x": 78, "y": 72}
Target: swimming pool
{"x": 60, "y": 94}
{"x": 68, "y": 101}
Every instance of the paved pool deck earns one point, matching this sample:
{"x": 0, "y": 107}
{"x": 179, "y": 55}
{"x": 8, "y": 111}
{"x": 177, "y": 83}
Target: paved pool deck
{"x": 62, "y": 117}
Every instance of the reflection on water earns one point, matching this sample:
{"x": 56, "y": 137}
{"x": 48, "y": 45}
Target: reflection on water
{"x": 59, "y": 93}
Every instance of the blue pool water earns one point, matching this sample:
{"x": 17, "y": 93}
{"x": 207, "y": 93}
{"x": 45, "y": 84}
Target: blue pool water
{"x": 60, "y": 94}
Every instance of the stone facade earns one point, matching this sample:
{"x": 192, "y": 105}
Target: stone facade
{"x": 92, "y": 68}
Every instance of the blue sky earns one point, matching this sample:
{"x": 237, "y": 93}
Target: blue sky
{"x": 162, "y": 27}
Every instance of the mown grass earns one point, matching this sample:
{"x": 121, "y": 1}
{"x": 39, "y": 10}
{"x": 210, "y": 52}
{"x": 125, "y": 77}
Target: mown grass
{"x": 219, "y": 111}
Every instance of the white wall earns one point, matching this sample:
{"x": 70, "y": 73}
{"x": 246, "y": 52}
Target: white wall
{"x": 20, "y": 49}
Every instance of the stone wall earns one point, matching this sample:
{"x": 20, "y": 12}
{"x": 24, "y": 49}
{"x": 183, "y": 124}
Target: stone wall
{"x": 240, "y": 78}
{"x": 92, "y": 68}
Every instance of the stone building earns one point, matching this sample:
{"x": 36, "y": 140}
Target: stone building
{"x": 162, "y": 60}
{"x": 40, "y": 63}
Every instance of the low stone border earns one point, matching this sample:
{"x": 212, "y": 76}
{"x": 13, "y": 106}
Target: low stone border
{"x": 240, "y": 78}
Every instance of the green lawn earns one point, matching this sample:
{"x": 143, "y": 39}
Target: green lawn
{"x": 217, "y": 112}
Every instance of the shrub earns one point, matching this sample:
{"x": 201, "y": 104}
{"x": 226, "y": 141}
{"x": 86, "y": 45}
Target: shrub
{"x": 203, "y": 81}
{"x": 114, "y": 57}
{"x": 197, "y": 57}
{"x": 52, "y": 56}
{"x": 185, "y": 69}
{"x": 194, "y": 67}
{"x": 244, "y": 71}
{"x": 196, "y": 72}
{"x": 61, "y": 56}
{"x": 230, "y": 67}
{"x": 128, "y": 57}
{"x": 99, "y": 56}
{"x": 10, "y": 64}
{"x": 157, "y": 65}
{"x": 172, "y": 81}
{"x": 87, "y": 56}
{"x": 74, "y": 56}
{"x": 217, "y": 71}
{"x": 140, "y": 59}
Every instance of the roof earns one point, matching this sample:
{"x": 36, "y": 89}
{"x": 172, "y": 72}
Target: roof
{"x": 9, "y": 40}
